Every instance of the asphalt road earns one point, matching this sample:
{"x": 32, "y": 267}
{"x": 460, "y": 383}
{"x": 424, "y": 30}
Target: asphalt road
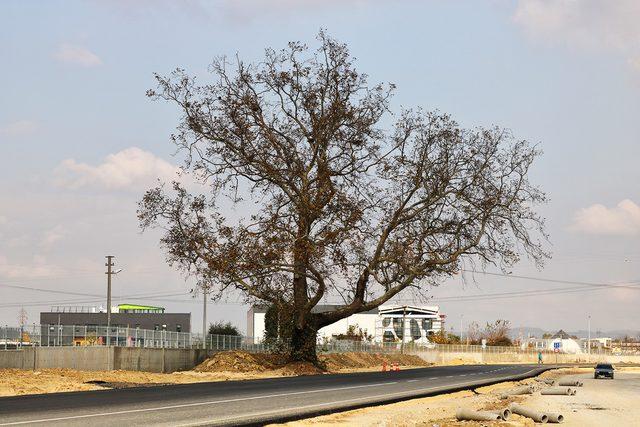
{"x": 246, "y": 402}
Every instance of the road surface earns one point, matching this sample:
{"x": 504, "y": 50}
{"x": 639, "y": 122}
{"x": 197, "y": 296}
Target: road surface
{"x": 246, "y": 402}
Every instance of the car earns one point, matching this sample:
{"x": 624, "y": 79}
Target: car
{"x": 603, "y": 370}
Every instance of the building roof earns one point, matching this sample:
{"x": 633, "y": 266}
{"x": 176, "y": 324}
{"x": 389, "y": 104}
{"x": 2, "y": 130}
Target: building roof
{"x": 561, "y": 334}
{"x": 321, "y": 308}
{"x": 408, "y": 309}
{"x": 138, "y": 307}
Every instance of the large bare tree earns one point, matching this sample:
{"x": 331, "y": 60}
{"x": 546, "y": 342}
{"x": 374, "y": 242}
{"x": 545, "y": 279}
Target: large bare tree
{"x": 352, "y": 200}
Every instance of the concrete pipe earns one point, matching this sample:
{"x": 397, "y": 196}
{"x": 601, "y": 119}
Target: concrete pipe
{"x": 538, "y": 417}
{"x": 517, "y": 391}
{"x": 572, "y": 383}
{"x": 558, "y": 391}
{"x": 554, "y": 418}
{"x": 503, "y": 413}
{"x": 464, "y": 414}
{"x": 548, "y": 381}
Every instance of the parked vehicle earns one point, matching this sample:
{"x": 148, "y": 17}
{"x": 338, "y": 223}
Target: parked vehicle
{"x": 603, "y": 370}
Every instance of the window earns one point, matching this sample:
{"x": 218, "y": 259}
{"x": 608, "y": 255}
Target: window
{"x": 178, "y": 328}
{"x": 156, "y": 327}
{"x": 164, "y": 327}
{"x": 415, "y": 329}
{"x": 137, "y": 325}
{"x": 397, "y": 327}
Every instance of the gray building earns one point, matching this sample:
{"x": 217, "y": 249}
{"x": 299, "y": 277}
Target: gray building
{"x": 87, "y": 325}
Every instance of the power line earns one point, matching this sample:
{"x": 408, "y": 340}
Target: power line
{"x": 29, "y": 288}
{"x": 541, "y": 279}
{"x": 580, "y": 287}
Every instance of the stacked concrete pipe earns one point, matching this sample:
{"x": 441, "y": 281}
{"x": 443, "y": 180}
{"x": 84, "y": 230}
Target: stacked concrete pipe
{"x": 559, "y": 391}
{"x": 538, "y": 417}
{"x": 464, "y": 414}
{"x": 572, "y": 383}
{"x": 554, "y": 418}
{"x": 504, "y": 413}
{"x": 517, "y": 391}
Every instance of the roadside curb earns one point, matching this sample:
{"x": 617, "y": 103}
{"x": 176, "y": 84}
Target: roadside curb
{"x": 310, "y": 411}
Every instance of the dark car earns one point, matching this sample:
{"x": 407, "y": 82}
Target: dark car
{"x": 603, "y": 370}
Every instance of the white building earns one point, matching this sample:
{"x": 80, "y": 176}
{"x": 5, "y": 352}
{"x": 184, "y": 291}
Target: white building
{"x": 383, "y": 324}
{"x": 560, "y": 342}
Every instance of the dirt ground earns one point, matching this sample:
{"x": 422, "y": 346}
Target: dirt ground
{"x": 224, "y": 366}
{"x": 598, "y": 402}
{"x": 240, "y": 361}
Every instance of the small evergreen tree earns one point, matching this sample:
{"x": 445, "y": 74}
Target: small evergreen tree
{"x": 222, "y": 328}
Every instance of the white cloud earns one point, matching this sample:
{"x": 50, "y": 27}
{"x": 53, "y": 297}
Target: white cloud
{"x": 51, "y": 236}
{"x": 623, "y": 219}
{"x": 77, "y": 55}
{"x": 19, "y": 128}
{"x": 129, "y": 169}
{"x": 38, "y": 268}
{"x": 598, "y": 25}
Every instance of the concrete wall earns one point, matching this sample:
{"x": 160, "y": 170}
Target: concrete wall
{"x": 17, "y": 359}
{"x": 87, "y": 358}
{"x": 444, "y": 357}
{"x": 98, "y": 358}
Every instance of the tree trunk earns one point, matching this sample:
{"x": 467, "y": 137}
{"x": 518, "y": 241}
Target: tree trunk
{"x": 303, "y": 344}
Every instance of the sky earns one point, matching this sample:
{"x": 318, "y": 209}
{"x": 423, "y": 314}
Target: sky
{"x": 80, "y": 142}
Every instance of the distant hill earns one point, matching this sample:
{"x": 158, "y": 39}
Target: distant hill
{"x": 525, "y": 332}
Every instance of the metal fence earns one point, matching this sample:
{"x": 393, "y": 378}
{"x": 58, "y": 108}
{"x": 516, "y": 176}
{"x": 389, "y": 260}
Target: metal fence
{"x": 70, "y": 335}
{"x": 74, "y": 335}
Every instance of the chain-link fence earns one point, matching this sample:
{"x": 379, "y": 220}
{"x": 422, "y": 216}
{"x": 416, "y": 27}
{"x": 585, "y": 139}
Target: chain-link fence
{"x": 73, "y": 335}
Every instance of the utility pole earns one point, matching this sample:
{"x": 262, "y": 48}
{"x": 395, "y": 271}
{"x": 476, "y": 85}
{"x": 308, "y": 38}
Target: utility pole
{"x": 109, "y": 273}
{"x": 461, "y": 316}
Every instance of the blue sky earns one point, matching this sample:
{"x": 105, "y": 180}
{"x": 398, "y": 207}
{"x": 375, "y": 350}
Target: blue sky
{"x": 79, "y": 141}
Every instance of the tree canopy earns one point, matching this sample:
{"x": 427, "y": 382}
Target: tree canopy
{"x": 352, "y": 199}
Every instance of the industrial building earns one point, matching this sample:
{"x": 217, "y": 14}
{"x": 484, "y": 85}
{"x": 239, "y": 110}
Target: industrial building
{"x": 383, "y": 324}
{"x": 82, "y": 325}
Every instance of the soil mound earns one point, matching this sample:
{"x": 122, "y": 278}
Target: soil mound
{"x": 300, "y": 368}
{"x": 354, "y": 360}
{"x": 240, "y": 361}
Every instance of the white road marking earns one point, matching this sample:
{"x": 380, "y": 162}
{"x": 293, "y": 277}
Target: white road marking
{"x": 187, "y": 405}
{"x": 400, "y": 394}
{"x": 412, "y": 381}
